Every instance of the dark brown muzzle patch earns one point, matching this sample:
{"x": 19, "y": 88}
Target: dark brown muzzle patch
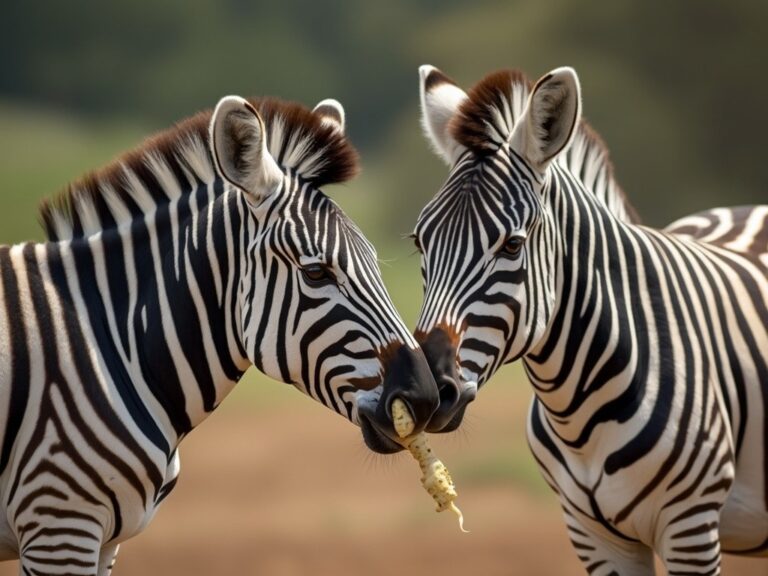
{"x": 439, "y": 347}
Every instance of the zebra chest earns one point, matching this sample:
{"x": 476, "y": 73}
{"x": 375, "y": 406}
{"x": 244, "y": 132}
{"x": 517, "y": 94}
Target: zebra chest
{"x": 601, "y": 495}
{"x": 171, "y": 477}
{"x": 625, "y": 479}
{"x": 137, "y": 519}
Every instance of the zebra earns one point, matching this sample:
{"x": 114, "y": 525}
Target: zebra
{"x": 210, "y": 248}
{"x": 646, "y": 349}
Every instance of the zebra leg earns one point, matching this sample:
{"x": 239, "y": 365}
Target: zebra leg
{"x": 691, "y": 545}
{"x": 107, "y": 559}
{"x": 603, "y": 557}
{"x": 60, "y": 549}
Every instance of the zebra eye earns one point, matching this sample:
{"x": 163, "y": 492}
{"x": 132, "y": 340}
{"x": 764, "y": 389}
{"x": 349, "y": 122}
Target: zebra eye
{"x": 316, "y": 274}
{"x": 513, "y": 245}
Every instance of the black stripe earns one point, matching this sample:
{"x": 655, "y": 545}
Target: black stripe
{"x": 86, "y": 371}
{"x": 96, "y": 308}
{"x": 19, "y": 356}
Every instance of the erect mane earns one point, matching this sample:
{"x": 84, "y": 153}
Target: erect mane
{"x": 172, "y": 162}
{"x": 487, "y": 117}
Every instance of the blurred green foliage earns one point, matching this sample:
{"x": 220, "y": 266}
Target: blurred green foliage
{"x": 674, "y": 89}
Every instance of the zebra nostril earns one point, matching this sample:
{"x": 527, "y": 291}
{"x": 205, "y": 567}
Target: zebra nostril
{"x": 448, "y": 390}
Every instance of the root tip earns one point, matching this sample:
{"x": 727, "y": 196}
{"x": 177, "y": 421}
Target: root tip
{"x": 455, "y": 510}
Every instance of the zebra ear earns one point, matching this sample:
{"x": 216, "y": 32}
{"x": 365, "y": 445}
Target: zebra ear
{"x": 239, "y": 147}
{"x": 440, "y": 101}
{"x": 550, "y": 119}
{"x": 331, "y": 113}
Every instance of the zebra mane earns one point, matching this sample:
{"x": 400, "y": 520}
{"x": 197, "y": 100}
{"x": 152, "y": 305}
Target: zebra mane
{"x": 169, "y": 164}
{"x": 487, "y": 117}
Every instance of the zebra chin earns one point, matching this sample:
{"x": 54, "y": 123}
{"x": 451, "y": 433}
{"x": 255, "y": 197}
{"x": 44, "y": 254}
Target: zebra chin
{"x": 377, "y": 440}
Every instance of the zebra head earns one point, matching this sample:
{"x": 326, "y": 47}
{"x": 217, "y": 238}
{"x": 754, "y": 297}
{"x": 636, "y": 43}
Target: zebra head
{"x": 313, "y": 310}
{"x": 487, "y": 236}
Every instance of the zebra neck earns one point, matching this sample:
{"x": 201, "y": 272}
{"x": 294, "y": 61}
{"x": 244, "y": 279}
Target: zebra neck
{"x": 589, "y": 350}
{"x": 161, "y": 297}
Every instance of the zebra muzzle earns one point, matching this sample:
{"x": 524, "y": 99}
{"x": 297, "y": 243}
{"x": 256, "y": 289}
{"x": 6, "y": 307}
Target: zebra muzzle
{"x": 440, "y": 351}
{"x": 406, "y": 376}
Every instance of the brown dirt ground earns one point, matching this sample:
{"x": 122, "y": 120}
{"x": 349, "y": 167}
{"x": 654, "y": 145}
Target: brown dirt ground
{"x": 283, "y": 488}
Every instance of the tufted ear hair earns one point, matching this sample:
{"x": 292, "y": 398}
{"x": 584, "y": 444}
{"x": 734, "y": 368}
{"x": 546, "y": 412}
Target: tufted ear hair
{"x": 238, "y": 142}
{"x": 331, "y": 113}
{"x": 440, "y": 101}
{"x": 550, "y": 119}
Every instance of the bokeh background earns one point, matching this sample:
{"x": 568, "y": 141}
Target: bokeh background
{"x": 272, "y": 483}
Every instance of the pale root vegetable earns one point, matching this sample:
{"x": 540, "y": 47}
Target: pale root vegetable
{"x": 436, "y": 479}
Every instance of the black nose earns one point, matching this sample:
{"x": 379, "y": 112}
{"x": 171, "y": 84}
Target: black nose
{"x": 440, "y": 352}
{"x": 406, "y": 376}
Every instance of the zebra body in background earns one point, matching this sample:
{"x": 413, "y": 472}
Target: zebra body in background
{"x": 167, "y": 274}
{"x": 647, "y": 350}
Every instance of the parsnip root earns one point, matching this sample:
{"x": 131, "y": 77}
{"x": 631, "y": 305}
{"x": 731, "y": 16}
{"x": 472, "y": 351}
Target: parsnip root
{"x": 436, "y": 479}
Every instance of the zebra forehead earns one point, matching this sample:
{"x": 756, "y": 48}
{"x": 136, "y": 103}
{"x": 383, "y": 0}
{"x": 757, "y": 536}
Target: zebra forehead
{"x": 485, "y": 197}
{"x": 167, "y": 164}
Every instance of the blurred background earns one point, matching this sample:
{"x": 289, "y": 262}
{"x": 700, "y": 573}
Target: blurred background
{"x": 272, "y": 484}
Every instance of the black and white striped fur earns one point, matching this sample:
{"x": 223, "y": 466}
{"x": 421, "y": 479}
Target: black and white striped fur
{"x": 161, "y": 283}
{"x": 647, "y": 350}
